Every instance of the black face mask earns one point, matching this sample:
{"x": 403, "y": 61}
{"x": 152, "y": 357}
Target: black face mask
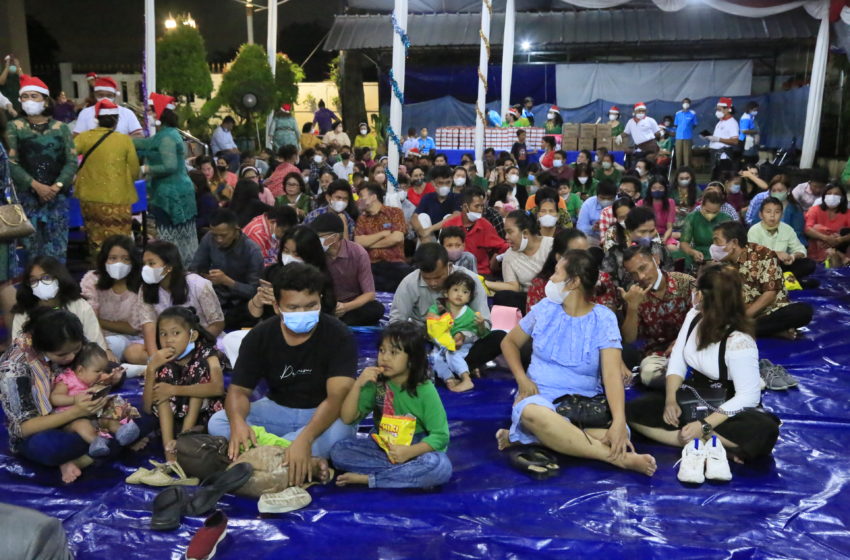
{"x": 346, "y": 156}
{"x": 222, "y": 167}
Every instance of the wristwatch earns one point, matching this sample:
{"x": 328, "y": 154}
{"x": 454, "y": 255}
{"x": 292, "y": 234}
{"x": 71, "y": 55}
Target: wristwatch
{"x": 706, "y": 427}
{"x": 60, "y": 185}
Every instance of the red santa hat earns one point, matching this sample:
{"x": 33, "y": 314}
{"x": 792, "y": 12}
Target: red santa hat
{"x": 286, "y": 107}
{"x": 724, "y": 102}
{"x": 106, "y": 84}
{"x": 91, "y": 75}
{"x": 31, "y": 83}
{"x": 160, "y": 103}
{"x": 513, "y": 111}
{"x": 105, "y": 107}
{"x": 640, "y": 106}
{"x": 554, "y": 109}
{"x": 614, "y": 109}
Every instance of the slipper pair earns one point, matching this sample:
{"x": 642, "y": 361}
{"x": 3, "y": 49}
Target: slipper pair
{"x": 163, "y": 474}
{"x": 172, "y": 503}
{"x": 534, "y": 460}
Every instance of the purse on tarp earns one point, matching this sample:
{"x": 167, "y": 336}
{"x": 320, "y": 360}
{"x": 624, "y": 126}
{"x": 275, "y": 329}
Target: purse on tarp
{"x": 584, "y": 412}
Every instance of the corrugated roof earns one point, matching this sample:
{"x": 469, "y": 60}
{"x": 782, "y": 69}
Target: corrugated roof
{"x": 586, "y": 27}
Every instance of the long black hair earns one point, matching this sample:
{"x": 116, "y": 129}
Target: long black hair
{"x": 408, "y": 338}
{"x": 189, "y": 318}
{"x": 69, "y": 290}
{"x": 104, "y": 280}
{"x": 692, "y": 185}
{"x": 661, "y": 180}
{"x": 178, "y": 287}
{"x": 307, "y": 245}
{"x": 560, "y": 245}
{"x": 51, "y": 329}
{"x": 620, "y": 231}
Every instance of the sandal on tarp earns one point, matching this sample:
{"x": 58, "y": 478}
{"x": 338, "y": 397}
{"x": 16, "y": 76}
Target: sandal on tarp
{"x": 534, "y": 461}
{"x": 165, "y": 474}
{"x": 167, "y": 508}
{"x": 291, "y": 499}
{"x": 216, "y": 486}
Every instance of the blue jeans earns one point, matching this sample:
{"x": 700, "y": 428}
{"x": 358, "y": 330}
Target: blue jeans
{"x": 449, "y": 365}
{"x": 284, "y": 422}
{"x": 363, "y": 456}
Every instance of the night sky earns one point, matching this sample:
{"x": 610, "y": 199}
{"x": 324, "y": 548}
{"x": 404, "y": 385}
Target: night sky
{"x": 90, "y": 32}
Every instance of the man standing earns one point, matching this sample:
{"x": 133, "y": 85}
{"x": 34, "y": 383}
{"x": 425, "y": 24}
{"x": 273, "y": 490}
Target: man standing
{"x": 520, "y": 151}
{"x": 482, "y": 240}
{"x": 685, "y": 122}
{"x": 380, "y": 230}
{"x": 426, "y": 144}
{"x": 324, "y": 118}
{"x": 749, "y": 135}
{"x": 724, "y": 139}
{"x": 233, "y": 263}
{"x": 222, "y": 144}
{"x": 643, "y": 130}
{"x": 106, "y": 88}
{"x": 309, "y": 361}
{"x": 656, "y": 306}
{"x": 349, "y": 267}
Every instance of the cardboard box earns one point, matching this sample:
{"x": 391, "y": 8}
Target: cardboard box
{"x": 588, "y": 130}
{"x": 569, "y": 144}
{"x": 603, "y": 132}
{"x": 586, "y": 144}
{"x": 606, "y": 143}
{"x": 570, "y": 130}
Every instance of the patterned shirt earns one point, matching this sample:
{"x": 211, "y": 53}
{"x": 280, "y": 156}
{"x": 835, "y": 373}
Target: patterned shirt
{"x": 613, "y": 262}
{"x": 387, "y": 218}
{"x": 258, "y": 231}
{"x": 760, "y": 271}
{"x": 659, "y": 318}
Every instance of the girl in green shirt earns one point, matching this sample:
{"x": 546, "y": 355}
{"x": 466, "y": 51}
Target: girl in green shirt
{"x": 399, "y": 394}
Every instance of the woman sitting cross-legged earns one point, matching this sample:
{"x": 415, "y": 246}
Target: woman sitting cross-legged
{"x": 719, "y": 323}
{"x": 576, "y": 355}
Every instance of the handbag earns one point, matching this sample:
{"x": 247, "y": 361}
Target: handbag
{"x": 697, "y": 404}
{"x": 14, "y": 223}
{"x": 584, "y": 412}
{"x": 202, "y": 455}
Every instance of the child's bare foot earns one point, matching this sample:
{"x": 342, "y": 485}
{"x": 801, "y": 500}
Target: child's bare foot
{"x": 503, "y": 439}
{"x": 644, "y": 464}
{"x": 350, "y": 478}
{"x": 70, "y": 472}
{"x": 476, "y": 372}
{"x": 451, "y": 383}
{"x": 465, "y": 384}
{"x": 321, "y": 471}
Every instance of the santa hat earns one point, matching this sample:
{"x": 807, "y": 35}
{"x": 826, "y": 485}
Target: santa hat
{"x": 105, "y": 107}
{"x": 31, "y": 83}
{"x": 91, "y": 76}
{"x": 614, "y": 109}
{"x": 724, "y": 102}
{"x": 640, "y": 106}
{"x": 106, "y": 84}
{"x": 286, "y": 107}
{"x": 513, "y": 111}
{"x": 554, "y": 109}
{"x": 413, "y": 152}
{"x": 160, "y": 103}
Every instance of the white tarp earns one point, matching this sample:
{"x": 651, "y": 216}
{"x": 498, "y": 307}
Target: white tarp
{"x": 579, "y": 84}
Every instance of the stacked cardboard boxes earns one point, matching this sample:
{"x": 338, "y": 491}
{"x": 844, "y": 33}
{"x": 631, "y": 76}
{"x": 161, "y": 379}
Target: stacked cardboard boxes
{"x": 603, "y": 137}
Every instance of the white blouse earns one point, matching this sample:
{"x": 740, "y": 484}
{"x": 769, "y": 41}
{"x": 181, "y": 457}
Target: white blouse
{"x": 742, "y": 363}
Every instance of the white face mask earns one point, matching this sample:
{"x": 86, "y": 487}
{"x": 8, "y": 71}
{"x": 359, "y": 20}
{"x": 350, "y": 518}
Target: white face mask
{"x": 473, "y": 216}
{"x": 443, "y": 192}
{"x": 612, "y": 117}
{"x": 46, "y": 290}
{"x": 547, "y": 220}
{"x": 719, "y": 114}
{"x": 523, "y": 244}
{"x": 286, "y": 259}
{"x": 717, "y": 252}
{"x": 317, "y": 158}
{"x": 339, "y": 206}
{"x": 118, "y": 270}
{"x": 582, "y": 180}
{"x": 460, "y": 181}
{"x": 32, "y": 108}
{"x": 555, "y": 291}
{"x": 363, "y": 131}
{"x": 557, "y": 163}
{"x": 641, "y": 171}
{"x": 513, "y": 178}
{"x": 684, "y": 182}
{"x": 640, "y": 116}
{"x": 550, "y": 116}
{"x": 660, "y": 277}
{"x": 832, "y": 200}
{"x": 153, "y": 275}
{"x": 532, "y": 189}
{"x": 686, "y": 106}
{"x": 622, "y": 224}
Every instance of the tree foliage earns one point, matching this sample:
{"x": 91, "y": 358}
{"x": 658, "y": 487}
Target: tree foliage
{"x": 181, "y": 63}
{"x": 287, "y": 76}
{"x": 249, "y": 73}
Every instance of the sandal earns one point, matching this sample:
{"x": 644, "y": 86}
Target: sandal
{"x": 163, "y": 475}
{"x": 533, "y": 461}
{"x": 331, "y": 475}
{"x": 291, "y": 499}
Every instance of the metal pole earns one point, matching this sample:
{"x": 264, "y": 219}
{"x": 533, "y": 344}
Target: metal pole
{"x": 150, "y": 53}
{"x": 249, "y": 16}
{"x": 271, "y": 40}
{"x": 816, "y": 87}
{"x": 508, "y": 55}
{"x": 396, "y": 107}
{"x": 481, "y": 104}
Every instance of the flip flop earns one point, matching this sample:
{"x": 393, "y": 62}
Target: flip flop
{"x": 545, "y": 456}
{"x": 216, "y": 486}
{"x": 162, "y": 475}
{"x": 529, "y": 460}
{"x": 167, "y": 507}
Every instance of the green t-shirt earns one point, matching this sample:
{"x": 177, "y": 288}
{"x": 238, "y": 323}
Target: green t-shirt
{"x": 615, "y": 175}
{"x": 698, "y": 231}
{"x": 426, "y": 407}
{"x": 573, "y": 205}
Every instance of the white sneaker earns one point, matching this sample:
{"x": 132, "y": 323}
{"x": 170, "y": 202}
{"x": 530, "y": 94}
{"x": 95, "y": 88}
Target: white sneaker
{"x": 692, "y": 463}
{"x": 291, "y": 499}
{"x": 716, "y": 463}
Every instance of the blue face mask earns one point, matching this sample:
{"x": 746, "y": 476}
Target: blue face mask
{"x": 300, "y": 322}
{"x": 643, "y": 241}
{"x": 657, "y": 194}
{"x": 187, "y": 351}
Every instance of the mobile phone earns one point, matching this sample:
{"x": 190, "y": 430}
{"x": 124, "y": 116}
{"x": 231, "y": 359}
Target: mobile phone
{"x": 100, "y": 393}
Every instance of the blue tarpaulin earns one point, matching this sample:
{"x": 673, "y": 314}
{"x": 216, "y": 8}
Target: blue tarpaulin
{"x": 794, "y": 506}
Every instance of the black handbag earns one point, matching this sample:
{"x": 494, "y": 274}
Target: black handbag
{"x": 584, "y": 412}
{"x": 202, "y": 455}
{"x": 698, "y": 402}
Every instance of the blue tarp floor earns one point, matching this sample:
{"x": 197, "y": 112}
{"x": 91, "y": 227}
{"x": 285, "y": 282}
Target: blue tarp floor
{"x": 795, "y": 506}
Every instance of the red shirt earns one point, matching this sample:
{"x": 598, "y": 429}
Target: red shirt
{"x": 258, "y": 231}
{"x": 481, "y": 240}
{"x": 415, "y": 198}
{"x": 387, "y": 218}
{"x": 275, "y": 181}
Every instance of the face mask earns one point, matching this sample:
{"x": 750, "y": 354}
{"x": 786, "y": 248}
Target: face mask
{"x": 717, "y": 252}
{"x": 346, "y": 156}
{"x": 686, "y": 106}
{"x": 189, "y": 348}
{"x": 532, "y": 189}
{"x": 754, "y": 113}
{"x": 660, "y": 277}
{"x": 643, "y": 241}
{"x": 460, "y": 181}
{"x": 33, "y": 108}
{"x": 555, "y": 291}
{"x": 222, "y": 167}
{"x": 530, "y": 177}
{"x": 612, "y": 117}
{"x": 640, "y": 116}
{"x": 550, "y": 116}
{"x": 118, "y": 271}
{"x": 719, "y": 114}
{"x": 443, "y": 192}
{"x": 513, "y": 178}
{"x": 328, "y": 246}
{"x": 604, "y": 203}
{"x": 780, "y": 196}
{"x": 300, "y": 322}
{"x": 473, "y": 216}
{"x": 832, "y": 200}
{"x": 13, "y": 69}
{"x": 339, "y": 206}
{"x": 152, "y": 275}
{"x": 658, "y": 194}
{"x": 735, "y": 188}
{"x": 622, "y": 224}
{"x": 46, "y": 291}
{"x": 455, "y": 254}
{"x": 547, "y": 220}
{"x": 333, "y": 159}
{"x": 606, "y": 165}
{"x": 363, "y": 131}
{"x": 286, "y": 259}
{"x": 582, "y": 180}
{"x": 684, "y": 182}
{"x": 641, "y": 171}
{"x": 557, "y": 163}
{"x": 523, "y": 244}
{"x": 317, "y": 158}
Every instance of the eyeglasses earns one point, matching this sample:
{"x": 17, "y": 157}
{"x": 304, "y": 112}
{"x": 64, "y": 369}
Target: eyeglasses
{"x": 44, "y": 279}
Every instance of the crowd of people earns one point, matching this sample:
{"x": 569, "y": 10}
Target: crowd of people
{"x": 581, "y": 276}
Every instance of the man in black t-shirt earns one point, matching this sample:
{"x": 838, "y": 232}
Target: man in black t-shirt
{"x": 308, "y": 359}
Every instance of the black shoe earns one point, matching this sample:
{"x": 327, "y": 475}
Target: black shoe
{"x": 216, "y": 486}
{"x": 809, "y": 283}
{"x": 167, "y": 508}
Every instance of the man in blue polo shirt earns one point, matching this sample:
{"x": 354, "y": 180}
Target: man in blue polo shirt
{"x": 685, "y": 122}
{"x": 748, "y": 139}
{"x": 435, "y": 206}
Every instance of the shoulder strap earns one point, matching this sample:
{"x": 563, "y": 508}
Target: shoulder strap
{"x": 721, "y": 359}
{"x": 88, "y": 153}
{"x": 693, "y": 325}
